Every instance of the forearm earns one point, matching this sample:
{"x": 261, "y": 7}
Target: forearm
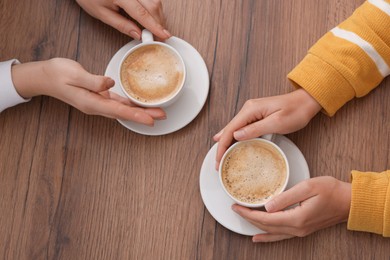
{"x": 350, "y": 60}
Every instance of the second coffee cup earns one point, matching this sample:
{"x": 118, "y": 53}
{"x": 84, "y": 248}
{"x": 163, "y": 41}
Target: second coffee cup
{"x": 252, "y": 172}
{"x": 152, "y": 74}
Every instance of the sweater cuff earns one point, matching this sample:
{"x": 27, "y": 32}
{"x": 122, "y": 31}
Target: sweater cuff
{"x": 325, "y": 84}
{"x": 8, "y": 95}
{"x": 369, "y": 208}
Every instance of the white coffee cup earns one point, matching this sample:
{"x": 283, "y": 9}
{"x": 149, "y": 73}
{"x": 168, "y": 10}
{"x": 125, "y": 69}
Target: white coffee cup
{"x": 152, "y": 73}
{"x": 254, "y": 171}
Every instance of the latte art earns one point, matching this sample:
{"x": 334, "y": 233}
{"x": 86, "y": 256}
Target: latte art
{"x": 152, "y": 74}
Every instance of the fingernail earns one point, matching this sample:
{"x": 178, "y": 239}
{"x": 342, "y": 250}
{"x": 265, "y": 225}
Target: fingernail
{"x": 239, "y": 134}
{"x": 110, "y": 82}
{"x": 135, "y": 35}
{"x": 219, "y": 133}
{"x": 234, "y": 208}
{"x": 270, "y": 205}
{"x": 168, "y": 34}
{"x": 255, "y": 240}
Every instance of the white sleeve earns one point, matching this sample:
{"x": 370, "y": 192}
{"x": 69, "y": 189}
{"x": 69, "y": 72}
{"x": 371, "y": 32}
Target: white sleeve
{"x": 8, "y": 95}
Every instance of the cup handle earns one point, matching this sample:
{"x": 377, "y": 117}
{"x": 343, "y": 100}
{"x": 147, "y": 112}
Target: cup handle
{"x": 269, "y": 137}
{"x": 146, "y": 36}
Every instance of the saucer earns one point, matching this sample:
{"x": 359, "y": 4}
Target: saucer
{"x": 218, "y": 203}
{"x": 191, "y": 101}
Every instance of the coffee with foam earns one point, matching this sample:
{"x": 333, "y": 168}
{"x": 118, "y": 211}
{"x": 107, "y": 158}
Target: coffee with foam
{"x": 253, "y": 171}
{"x": 152, "y": 73}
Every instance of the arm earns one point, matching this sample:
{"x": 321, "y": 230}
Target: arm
{"x": 349, "y": 61}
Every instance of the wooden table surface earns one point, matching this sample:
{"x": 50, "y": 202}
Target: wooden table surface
{"x": 74, "y": 186}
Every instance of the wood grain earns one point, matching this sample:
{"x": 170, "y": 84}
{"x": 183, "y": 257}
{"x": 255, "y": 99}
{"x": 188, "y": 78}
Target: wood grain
{"x": 74, "y": 186}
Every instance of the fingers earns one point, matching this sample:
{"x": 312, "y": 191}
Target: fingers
{"x": 261, "y": 218}
{"x": 156, "y": 113}
{"x": 246, "y": 116}
{"x": 270, "y": 237}
{"x": 256, "y": 129}
{"x": 145, "y": 17}
{"x": 281, "y": 222}
{"x": 113, "y": 109}
{"x": 221, "y": 149}
{"x": 298, "y": 193}
{"x": 121, "y": 23}
{"x": 218, "y": 136}
{"x": 111, "y": 95}
{"x": 155, "y": 9}
{"x": 95, "y": 104}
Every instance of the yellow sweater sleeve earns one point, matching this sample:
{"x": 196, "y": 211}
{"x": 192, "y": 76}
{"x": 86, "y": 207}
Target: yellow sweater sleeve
{"x": 370, "y": 203}
{"x": 350, "y": 60}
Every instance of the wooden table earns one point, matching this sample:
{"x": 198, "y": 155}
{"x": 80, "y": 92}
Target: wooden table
{"x": 74, "y": 186}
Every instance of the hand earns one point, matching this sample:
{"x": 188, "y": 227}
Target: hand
{"x": 149, "y": 13}
{"x": 324, "y": 201}
{"x": 279, "y": 114}
{"x": 68, "y": 81}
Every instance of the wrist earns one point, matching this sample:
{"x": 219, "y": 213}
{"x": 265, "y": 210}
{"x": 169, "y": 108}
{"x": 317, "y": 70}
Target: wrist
{"x": 27, "y": 78}
{"x": 311, "y": 105}
{"x": 344, "y": 198}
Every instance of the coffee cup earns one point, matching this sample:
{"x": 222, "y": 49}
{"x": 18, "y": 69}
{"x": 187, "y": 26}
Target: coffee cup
{"x": 152, "y": 73}
{"x": 252, "y": 172}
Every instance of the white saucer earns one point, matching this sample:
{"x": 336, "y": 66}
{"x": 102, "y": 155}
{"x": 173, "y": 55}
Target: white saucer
{"x": 219, "y": 204}
{"x": 191, "y": 101}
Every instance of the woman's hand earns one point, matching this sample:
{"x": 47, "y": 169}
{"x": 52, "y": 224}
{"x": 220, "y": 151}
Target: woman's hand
{"x": 323, "y": 202}
{"x": 68, "y": 81}
{"x": 149, "y": 13}
{"x": 278, "y": 114}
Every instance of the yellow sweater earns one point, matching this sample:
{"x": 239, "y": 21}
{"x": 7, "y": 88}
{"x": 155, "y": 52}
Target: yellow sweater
{"x": 347, "y": 62}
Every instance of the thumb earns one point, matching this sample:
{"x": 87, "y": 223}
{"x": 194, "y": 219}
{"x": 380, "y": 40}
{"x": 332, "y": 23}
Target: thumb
{"x": 298, "y": 193}
{"x": 95, "y": 83}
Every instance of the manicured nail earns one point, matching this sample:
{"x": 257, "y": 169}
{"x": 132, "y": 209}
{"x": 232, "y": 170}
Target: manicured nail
{"x": 110, "y": 82}
{"x": 168, "y": 34}
{"x": 239, "y": 134}
{"x": 218, "y": 134}
{"x": 269, "y": 206}
{"x": 135, "y": 35}
{"x": 255, "y": 240}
